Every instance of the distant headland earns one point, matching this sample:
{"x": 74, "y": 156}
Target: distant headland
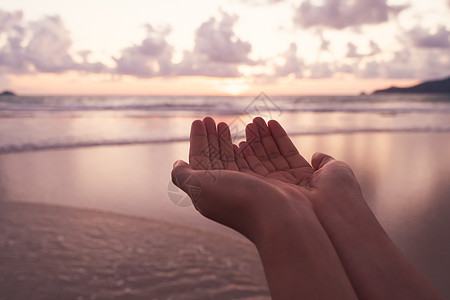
{"x": 441, "y": 86}
{"x": 7, "y": 93}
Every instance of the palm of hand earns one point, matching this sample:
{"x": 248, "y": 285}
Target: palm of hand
{"x": 252, "y": 178}
{"x": 268, "y": 156}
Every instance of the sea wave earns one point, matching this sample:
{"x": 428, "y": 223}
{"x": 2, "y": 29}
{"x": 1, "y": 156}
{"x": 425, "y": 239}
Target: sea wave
{"x": 47, "y": 123}
{"x": 55, "y": 145}
{"x": 146, "y": 111}
{"x": 153, "y": 105}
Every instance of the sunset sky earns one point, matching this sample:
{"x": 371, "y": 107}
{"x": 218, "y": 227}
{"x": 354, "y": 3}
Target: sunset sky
{"x": 221, "y": 47}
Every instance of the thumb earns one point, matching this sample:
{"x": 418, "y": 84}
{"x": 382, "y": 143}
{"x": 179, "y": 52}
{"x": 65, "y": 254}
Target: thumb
{"x": 179, "y": 163}
{"x": 184, "y": 177}
{"x": 181, "y": 171}
{"x": 319, "y": 160}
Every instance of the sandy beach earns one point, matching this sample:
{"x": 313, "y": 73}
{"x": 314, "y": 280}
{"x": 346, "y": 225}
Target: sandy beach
{"x": 52, "y": 252}
{"x": 103, "y": 226}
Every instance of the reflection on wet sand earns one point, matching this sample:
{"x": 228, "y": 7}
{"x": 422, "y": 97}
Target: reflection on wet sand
{"x": 51, "y": 252}
{"x": 404, "y": 176}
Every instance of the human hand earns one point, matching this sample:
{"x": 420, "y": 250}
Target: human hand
{"x": 267, "y": 201}
{"x": 229, "y": 184}
{"x": 374, "y": 265}
{"x": 267, "y": 191}
{"x": 328, "y": 185}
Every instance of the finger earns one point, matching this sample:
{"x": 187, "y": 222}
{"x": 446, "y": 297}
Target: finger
{"x": 226, "y": 147}
{"x": 199, "y": 150}
{"x": 184, "y": 177}
{"x": 253, "y": 162}
{"x": 319, "y": 160}
{"x": 180, "y": 172}
{"x": 270, "y": 147}
{"x": 286, "y": 147}
{"x": 254, "y": 140}
{"x": 213, "y": 143}
{"x": 240, "y": 159}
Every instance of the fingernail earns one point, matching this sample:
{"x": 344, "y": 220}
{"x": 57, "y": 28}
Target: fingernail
{"x": 175, "y": 163}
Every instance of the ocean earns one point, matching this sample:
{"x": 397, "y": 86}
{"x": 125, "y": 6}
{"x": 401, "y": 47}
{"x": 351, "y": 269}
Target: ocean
{"x": 29, "y": 123}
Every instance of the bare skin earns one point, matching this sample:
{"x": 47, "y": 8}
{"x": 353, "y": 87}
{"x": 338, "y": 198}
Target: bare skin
{"x": 310, "y": 223}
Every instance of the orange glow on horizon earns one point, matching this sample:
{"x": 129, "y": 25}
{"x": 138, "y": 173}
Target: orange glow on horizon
{"x": 232, "y": 86}
{"x": 77, "y": 84}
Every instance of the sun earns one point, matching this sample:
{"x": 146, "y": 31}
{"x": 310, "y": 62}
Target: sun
{"x": 232, "y": 86}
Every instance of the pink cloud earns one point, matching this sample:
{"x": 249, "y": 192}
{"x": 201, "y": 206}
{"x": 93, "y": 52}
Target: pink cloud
{"x": 340, "y": 14}
{"x": 39, "y": 46}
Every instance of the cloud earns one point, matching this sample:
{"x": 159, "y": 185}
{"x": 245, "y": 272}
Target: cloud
{"x": 340, "y": 14}
{"x": 12, "y": 30}
{"x": 194, "y": 64}
{"x": 374, "y": 48}
{"x": 261, "y": 2}
{"x": 39, "y": 46}
{"x": 435, "y": 65}
{"x": 217, "y": 41}
{"x": 321, "y": 70}
{"x": 324, "y": 44}
{"x": 45, "y": 46}
{"x": 398, "y": 66}
{"x": 10, "y": 21}
{"x": 152, "y": 57}
{"x": 48, "y": 47}
{"x": 406, "y": 63}
{"x": 217, "y": 51}
{"x": 87, "y": 66}
{"x": 352, "y": 50}
{"x": 422, "y": 38}
{"x": 292, "y": 63}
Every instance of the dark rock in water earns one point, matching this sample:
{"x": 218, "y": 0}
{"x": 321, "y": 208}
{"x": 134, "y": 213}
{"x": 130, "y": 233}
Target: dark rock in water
{"x": 428, "y": 87}
{"x": 7, "y": 93}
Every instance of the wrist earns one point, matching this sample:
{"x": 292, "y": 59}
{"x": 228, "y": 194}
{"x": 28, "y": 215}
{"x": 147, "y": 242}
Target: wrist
{"x": 289, "y": 217}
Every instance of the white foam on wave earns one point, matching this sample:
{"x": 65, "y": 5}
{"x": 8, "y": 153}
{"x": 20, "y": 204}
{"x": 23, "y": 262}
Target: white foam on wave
{"x": 389, "y": 104}
{"x": 36, "y": 146}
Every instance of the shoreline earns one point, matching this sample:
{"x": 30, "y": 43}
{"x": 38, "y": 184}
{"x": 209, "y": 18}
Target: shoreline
{"x": 50, "y": 251}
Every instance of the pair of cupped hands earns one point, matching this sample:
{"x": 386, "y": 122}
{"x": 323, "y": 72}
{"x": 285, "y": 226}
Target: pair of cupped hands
{"x": 259, "y": 182}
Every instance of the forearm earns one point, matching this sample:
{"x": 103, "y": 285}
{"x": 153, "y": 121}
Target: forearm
{"x": 375, "y": 266}
{"x": 299, "y": 259}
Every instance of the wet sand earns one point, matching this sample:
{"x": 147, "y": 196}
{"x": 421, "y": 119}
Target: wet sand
{"x": 53, "y": 252}
{"x": 405, "y": 178}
